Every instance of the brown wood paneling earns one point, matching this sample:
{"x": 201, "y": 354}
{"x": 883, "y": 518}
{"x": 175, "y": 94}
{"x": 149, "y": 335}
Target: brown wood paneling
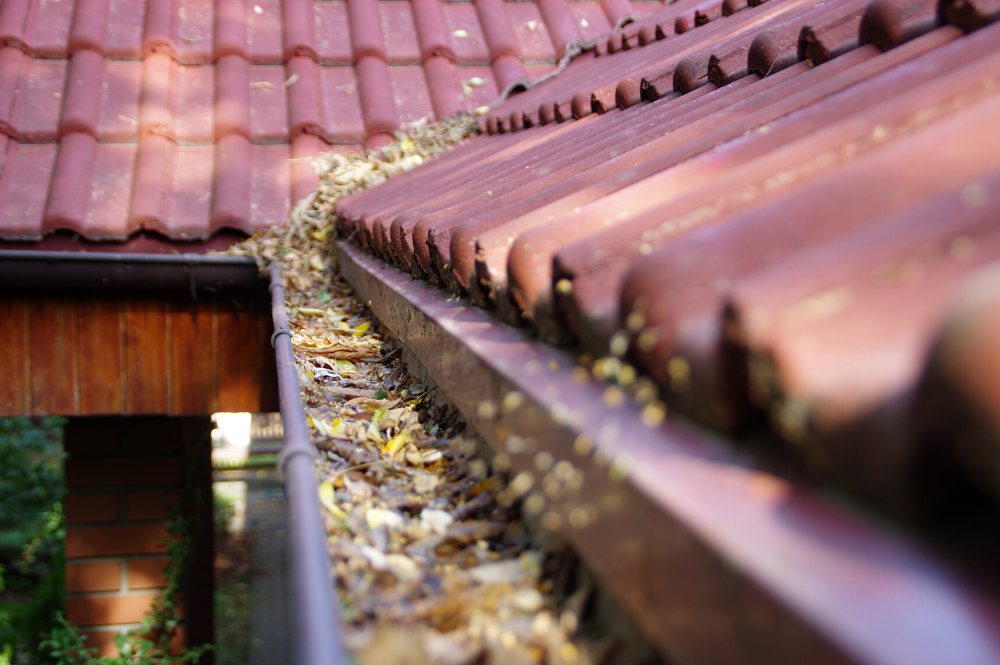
{"x": 14, "y": 366}
{"x": 192, "y": 358}
{"x": 239, "y": 354}
{"x": 99, "y": 341}
{"x": 147, "y": 366}
{"x": 51, "y": 342}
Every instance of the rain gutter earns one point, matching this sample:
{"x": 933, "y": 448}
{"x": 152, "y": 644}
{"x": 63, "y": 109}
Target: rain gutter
{"x": 315, "y": 622}
{"x": 158, "y": 272}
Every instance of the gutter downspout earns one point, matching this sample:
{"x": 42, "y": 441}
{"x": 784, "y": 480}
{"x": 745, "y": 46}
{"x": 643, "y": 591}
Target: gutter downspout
{"x": 315, "y": 623}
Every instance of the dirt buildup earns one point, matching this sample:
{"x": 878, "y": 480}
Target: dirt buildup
{"x": 432, "y": 559}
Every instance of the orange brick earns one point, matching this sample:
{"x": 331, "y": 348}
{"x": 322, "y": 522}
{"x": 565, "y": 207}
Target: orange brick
{"x": 93, "y": 576}
{"x": 111, "y": 609}
{"x": 150, "y": 505}
{"x": 122, "y": 471}
{"x": 115, "y": 540}
{"x": 103, "y": 640}
{"x": 101, "y": 507}
{"x": 147, "y": 573}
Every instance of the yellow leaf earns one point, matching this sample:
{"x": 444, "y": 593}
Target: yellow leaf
{"x": 360, "y": 330}
{"x": 406, "y": 144}
{"x": 373, "y": 432}
{"x": 396, "y": 442}
{"x": 326, "y": 498}
{"x": 309, "y": 311}
{"x": 317, "y": 263}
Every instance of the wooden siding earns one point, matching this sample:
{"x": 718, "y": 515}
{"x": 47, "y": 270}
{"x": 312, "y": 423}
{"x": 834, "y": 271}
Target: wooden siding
{"x": 82, "y": 353}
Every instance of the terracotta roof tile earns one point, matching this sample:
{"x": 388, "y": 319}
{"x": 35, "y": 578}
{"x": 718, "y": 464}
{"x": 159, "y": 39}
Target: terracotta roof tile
{"x": 399, "y": 33}
{"x": 265, "y": 44}
{"x": 124, "y": 37}
{"x": 203, "y": 102}
{"x": 342, "y": 120}
{"x": 118, "y": 118}
{"x": 35, "y": 114}
{"x": 333, "y": 42}
{"x": 759, "y": 233}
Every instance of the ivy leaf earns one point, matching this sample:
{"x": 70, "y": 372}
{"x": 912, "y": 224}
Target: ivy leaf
{"x": 381, "y": 394}
{"x": 323, "y": 296}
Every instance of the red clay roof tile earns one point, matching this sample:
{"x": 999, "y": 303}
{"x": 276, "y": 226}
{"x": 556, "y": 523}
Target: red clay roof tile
{"x": 35, "y": 115}
{"x": 365, "y": 23}
{"x": 118, "y": 119}
{"x": 268, "y": 105}
{"x": 399, "y": 32}
{"x": 46, "y": 29}
{"x": 333, "y": 42}
{"x": 82, "y": 101}
{"x": 342, "y": 119}
{"x": 124, "y": 36}
{"x": 772, "y": 181}
{"x": 192, "y": 99}
{"x": 190, "y": 106}
{"x": 232, "y": 96}
{"x": 265, "y": 42}
{"x": 467, "y": 37}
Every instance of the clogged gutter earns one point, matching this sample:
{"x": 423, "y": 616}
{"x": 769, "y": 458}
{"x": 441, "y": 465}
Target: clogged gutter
{"x": 431, "y": 557}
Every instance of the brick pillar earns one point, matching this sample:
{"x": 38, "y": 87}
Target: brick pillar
{"x": 122, "y": 477}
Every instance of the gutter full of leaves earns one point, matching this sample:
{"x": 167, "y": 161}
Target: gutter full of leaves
{"x": 431, "y": 558}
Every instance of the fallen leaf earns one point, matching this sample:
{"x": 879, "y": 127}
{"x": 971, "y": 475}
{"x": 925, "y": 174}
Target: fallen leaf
{"x": 326, "y": 494}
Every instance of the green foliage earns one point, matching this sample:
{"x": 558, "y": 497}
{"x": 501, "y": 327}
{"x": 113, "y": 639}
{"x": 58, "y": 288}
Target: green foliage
{"x": 32, "y": 586}
{"x": 30, "y": 483}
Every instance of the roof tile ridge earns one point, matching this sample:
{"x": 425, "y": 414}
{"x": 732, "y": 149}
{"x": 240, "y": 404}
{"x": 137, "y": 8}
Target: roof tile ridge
{"x": 970, "y": 14}
{"x": 159, "y": 72}
{"x": 11, "y": 62}
{"x": 560, "y": 22}
{"x": 889, "y": 23}
{"x": 497, "y": 29}
{"x": 69, "y": 197}
{"x": 509, "y": 71}
{"x": 705, "y": 12}
{"x": 89, "y": 28}
{"x": 157, "y": 28}
{"x": 230, "y": 29}
{"x": 82, "y": 98}
{"x": 297, "y": 29}
{"x": 302, "y": 89}
{"x": 146, "y": 205}
{"x": 13, "y": 17}
{"x": 378, "y": 106}
{"x": 231, "y": 183}
{"x": 365, "y": 25}
{"x": 442, "y": 86}
{"x": 432, "y": 30}
{"x": 232, "y": 96}
{"x": 304, "y": 181}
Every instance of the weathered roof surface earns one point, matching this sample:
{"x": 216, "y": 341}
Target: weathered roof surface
{"x": 184, "y": 117}
{"x": 770, "y": 208}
